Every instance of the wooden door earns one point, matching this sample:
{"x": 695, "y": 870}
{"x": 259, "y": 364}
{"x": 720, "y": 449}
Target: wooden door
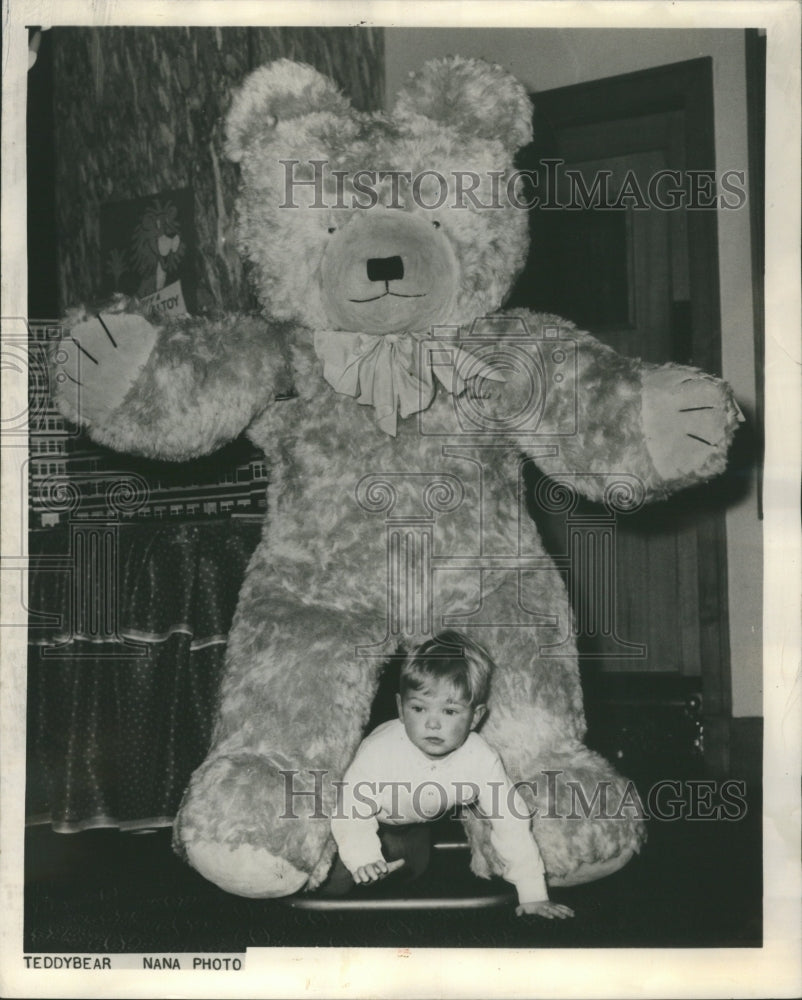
{"x": 644, "y": 280}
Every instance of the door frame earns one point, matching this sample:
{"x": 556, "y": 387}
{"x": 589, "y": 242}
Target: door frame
{"x": 688, "y": 87}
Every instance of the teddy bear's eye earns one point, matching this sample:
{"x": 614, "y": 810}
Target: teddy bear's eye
{"x": 332, "y": 229}
{"x": 436, "y": 224}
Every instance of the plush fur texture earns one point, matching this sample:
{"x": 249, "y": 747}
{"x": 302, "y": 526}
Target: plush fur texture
{"x": 298, "y": 686}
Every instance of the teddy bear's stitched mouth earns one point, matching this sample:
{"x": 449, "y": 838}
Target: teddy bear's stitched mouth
{"x": 394, "y": 295}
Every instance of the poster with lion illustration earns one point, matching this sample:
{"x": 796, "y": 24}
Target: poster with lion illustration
{"x": 146, "y": 250}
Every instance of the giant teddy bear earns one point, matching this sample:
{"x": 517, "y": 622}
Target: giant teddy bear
{"x": 395, "y": 403}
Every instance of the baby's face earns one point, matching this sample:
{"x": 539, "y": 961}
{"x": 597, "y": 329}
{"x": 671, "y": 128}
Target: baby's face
{"x": 437, "y": 719}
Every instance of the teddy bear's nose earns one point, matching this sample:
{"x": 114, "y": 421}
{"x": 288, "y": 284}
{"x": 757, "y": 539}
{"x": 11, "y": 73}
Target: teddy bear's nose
{"x": 385, "y": 269}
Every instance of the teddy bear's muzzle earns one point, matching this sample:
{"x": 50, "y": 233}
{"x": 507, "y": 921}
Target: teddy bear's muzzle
{"x": 388, "y": 273}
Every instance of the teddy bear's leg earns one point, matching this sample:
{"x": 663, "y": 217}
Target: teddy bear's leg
{"x": 535, "y": 699}
{"x": 536, "y": 722}
{"x": 293, "y": 704}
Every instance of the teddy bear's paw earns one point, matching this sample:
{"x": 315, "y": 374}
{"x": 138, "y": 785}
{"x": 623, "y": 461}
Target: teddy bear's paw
{"x": 97, "y": 361}
{"x": 250, "y": 824}
{"x": 688, "y": 422}
{"x": 587, "y": 820}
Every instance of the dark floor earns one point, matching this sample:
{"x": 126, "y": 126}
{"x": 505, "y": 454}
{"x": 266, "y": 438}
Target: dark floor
{"x": 696, "y": 884}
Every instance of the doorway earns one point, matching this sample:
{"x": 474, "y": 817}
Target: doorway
{"x": 643, "y": 279}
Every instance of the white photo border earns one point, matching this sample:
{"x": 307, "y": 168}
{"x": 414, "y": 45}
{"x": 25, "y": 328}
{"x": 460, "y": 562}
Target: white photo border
{"x": 774, "y": 969}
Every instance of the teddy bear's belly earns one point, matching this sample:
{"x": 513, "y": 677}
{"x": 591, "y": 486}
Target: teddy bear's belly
{"x": 358, "y": 519}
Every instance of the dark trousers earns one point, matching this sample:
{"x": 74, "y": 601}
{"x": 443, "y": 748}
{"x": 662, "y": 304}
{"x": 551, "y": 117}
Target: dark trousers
{"x": 412, "y": 842}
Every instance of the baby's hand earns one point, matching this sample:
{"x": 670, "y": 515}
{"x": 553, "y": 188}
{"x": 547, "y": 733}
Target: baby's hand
{"x": 544, "y": 908}
{"x": 375, "y": 871}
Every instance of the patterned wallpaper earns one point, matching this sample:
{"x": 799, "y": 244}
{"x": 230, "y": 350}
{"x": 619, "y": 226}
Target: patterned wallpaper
{"x": 138, "y": 111}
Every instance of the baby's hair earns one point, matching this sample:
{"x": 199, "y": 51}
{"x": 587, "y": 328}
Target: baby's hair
{"x": 450, "y": 656}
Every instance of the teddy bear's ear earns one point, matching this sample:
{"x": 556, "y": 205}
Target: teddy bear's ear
{"x": 473, "y": 96}
{"x": 278, "y": 91}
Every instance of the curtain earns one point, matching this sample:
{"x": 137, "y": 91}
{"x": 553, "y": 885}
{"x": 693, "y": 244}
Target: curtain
{"x": 126, "y": 650}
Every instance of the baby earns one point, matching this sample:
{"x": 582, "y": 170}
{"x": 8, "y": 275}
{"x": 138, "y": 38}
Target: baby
{"x": 410, "y": 771}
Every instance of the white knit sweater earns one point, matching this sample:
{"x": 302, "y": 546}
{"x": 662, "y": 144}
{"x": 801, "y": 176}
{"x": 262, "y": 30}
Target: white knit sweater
{"x": 391, "y": 781}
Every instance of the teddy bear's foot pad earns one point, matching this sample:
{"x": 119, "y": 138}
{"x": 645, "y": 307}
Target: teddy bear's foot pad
{"x": 245, "y": 871}
{"x": 592, "y": 872}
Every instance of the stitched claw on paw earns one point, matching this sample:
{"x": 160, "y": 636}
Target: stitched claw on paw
{"x": 97, "y": 362}
{"x": 688, "y": 421}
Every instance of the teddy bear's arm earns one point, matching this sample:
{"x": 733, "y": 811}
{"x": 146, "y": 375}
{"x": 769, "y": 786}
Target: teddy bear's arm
{"x": 170, "y": 392}
{"x": 669, "y": 426}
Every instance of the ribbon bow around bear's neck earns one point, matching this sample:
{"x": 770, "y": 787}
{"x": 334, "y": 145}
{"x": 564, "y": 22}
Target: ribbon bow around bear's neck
{"x": 394, "y": 373}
